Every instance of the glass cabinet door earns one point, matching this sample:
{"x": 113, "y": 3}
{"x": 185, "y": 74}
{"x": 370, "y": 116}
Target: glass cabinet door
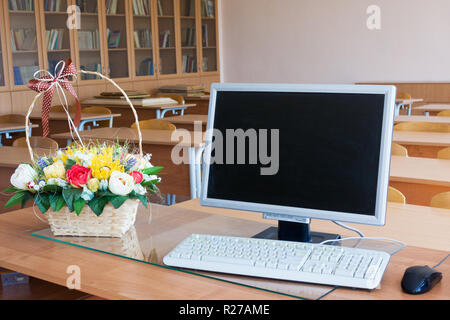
{"x": 166, "y": 37}
{"x": 56, "y": 34}
{"x": 188, "y": 36}
{"x": 209, "y": 41}
{"x": 3, "y": 81}
{"x": 116, "y": 35}
{"x": 89, "y": 39}
{"x": 143, "y": 38}
{"x": 24, "y": 40}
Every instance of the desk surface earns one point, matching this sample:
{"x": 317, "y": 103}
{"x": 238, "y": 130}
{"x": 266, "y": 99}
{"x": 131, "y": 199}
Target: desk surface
{"x": 138, "y": 103}
{"x": 160, "y": 137}
{"x": 433, "y": 107}
{"x": 420, "y": 170}
{"x": 14, "y": 126}
{"x": 432, "y": 119}
{"x": 126, "y": 279}
{"x": 412, "y": 100}
{"x": 188, "y": 119}
{"x": 436, "y": 139}
{"x": 11, "y": 157}
{"x": 84, "y": 116}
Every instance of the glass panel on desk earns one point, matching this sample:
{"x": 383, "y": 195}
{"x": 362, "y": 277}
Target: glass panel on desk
{"x": 167, "y": 46}
{"x": 57, "y": 35}
{"x": 23, "y": 40}
{"x": 116, "y": 25}
{"x": 159, "y": 229}
{"x": 143, "y": 42}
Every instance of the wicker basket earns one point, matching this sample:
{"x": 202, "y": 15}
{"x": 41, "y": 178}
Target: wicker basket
{"x": 111, "y": 223}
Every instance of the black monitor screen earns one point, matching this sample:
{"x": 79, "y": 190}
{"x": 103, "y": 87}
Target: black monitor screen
{"x": 304, "y": 150}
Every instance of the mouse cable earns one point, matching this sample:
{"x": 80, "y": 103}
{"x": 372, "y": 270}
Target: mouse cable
{"x": 441, "y": 262}
{"x": 403, "y": 245}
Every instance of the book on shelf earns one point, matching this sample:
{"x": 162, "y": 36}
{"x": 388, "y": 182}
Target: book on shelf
{"x": 22, "y": 74}
{"x": 87, "y": 6}
{"x": 54, "y": 39}
{"x": 164, "y": 39}
{"x": 208, "y": 8}
{"x": 143, "y": 38}
{"x": 188, "y": 37}
{"x": 181, "y": 88}
{"x": 95, "y": 67}
{"x": 205, "y": 64}
{"x": 21, "y": 5}
{"x": 23, "y": 39}
{"x": 187, "y": 8}
{"x": 189, "y": 64}
{"x": 113, "y": 39}
{"x": 205, "y": 39}
{"x": 88, "y": 39}
{"x": 111, "y": 6}
{"x": 54, "y": 5}
{"x": 146, "y": 67}
{"x": 160, "y": 8}
{"x": 141, "y": 7}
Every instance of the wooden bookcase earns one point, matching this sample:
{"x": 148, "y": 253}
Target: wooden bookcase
{"x": 141, "y": 44}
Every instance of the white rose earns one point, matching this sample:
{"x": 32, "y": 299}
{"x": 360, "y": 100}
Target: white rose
{"x": 120, "y": 183}
{"x": 23, "y": 177}
{"x": 140, "y": 189}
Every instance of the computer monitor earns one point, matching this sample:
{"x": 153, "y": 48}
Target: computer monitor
{"x": 300, "y": 152}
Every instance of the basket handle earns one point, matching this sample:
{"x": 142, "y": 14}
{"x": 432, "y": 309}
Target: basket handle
{"x": 30, "y": 110}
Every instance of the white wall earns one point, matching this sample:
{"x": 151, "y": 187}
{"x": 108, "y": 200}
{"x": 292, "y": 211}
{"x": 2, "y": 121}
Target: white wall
{"x": 327, "y": 41}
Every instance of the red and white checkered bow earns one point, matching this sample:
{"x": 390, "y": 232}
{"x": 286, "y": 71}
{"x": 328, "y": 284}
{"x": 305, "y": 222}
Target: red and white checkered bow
{"x": 48, "y": 83}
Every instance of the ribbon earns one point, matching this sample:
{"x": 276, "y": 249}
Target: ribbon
{"x": 48, "y": 83}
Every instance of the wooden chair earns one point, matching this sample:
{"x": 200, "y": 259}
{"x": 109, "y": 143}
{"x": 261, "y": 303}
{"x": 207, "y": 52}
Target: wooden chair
{"x": 395, "y": 195}
{"x": 176, "y": 97}
{"x": 444, "y": 154}
{"x": 422, "y": 126}
{"x": 405, "y": 96}
{"x": 399, "y": 150}
{"x": 441, "y": 200}
{"x": 37, "y": 142}
{"x": 71, "y": 109}
{"x": 445, "y": 113}
{"x": 99, "y": 110}
{"x": 156, "y": 124}
{"x": 12, "y": 118}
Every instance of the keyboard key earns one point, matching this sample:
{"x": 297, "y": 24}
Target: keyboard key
{"x": 228, "y": 260}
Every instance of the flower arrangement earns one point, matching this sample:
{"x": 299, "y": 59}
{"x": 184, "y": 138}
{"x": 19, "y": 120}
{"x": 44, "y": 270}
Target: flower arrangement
{"x": 80, "y": 176}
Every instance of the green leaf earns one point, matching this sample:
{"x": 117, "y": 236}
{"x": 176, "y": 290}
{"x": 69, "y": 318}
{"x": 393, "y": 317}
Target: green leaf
{"x": 152, "y": 170}
{"x": 28, "y": 196}
{"x": 78, "y": 205}
{"x": 149, "y": 183}
{"x": 142, "y": 198}
{"x": 43, "y": 202}
{"x": 70, "y": 195}
{"x": 15, "y": 199}
{"x": 11, "y": 190}
{"x": 57, "y": 202}
{"x": 70, "y": 163}
{"x": 118, "y": 201}
{"x": 98, "y": 204}
{"x": 51, "y": 188}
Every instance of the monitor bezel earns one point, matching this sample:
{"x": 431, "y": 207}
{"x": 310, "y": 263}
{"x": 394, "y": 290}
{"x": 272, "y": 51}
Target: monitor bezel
{"x": 379, "y": 216}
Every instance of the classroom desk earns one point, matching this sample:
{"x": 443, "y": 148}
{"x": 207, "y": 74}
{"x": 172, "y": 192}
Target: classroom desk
{"x": 399, "y": 103}
{"x": 422, "y": 144}
{"x": 126, "y": 279}
{"x": 145, "y": 111}
{"x": 432, "y": 109}
{"x": 180, "y": 179}
{"x": 59, "y": 123}
{"x": 201, "y": 102}
{"x": 8, "y": 128}
{"x": 188, "y": 121}
{"x": 433, "y": 119}
{"x": 419, "y": 179}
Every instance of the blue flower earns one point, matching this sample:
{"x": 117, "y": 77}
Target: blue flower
{"x": 130, "y": 164}
{"x": 42, "y": 162}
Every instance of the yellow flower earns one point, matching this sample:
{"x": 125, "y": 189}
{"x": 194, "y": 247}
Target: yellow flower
{"x": 55, "y": 171}
{"x": 93, "y": 185}
{"x": 103, "y": 164}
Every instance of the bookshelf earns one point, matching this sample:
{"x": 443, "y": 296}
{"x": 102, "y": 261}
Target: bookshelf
{"x": 4, "y": 83}
{"x": 209, "y": 61}
{"x": 167, "y": 53}
{"x": 188, "y": 23}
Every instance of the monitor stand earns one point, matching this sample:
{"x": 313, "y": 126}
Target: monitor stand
{"x": 295, "y": 229}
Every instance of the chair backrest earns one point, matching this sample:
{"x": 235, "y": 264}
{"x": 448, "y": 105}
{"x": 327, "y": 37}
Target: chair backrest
{"x": 399, "y": 150}
{"x": 61, "y": 109}
{"x": 444, "y": 154}
{"x": 176, "y": 97}
{"x": 157, "y": 124}
{"x": 445, "y": 113}
{"x": 99, "y": 110}
{"x": 12, "y": 118}
{"x": 422, "y": 126}
{"x": 37, "y": 142}
{"x": 395, "y": 195}
{"x": 441, "y": 200}
{"x": 403, "y": 95}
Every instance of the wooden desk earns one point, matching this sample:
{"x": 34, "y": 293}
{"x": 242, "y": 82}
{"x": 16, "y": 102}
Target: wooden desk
{"x": 432, "y": 109}
{"x": 422, "y": 144}
{"x": 188, "y": 121}
{"x": 201, "y": 102}
{"x": 179, "y": 179}
{"x": 419, "y": 179}
{"x": 126, "y": 279}
{"x": 399, "y": 103}
{"x": 8, "y": 128}
{"x": 433, "y": 119}
{"x": 145, "y": 110}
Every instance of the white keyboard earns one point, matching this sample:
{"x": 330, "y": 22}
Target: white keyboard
{"x": 274, "y": 259}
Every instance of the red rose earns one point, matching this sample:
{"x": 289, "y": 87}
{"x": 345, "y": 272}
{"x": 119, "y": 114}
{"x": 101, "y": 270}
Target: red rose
{"x": 137, "y": 176}
{"x": 78, "y": 176}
